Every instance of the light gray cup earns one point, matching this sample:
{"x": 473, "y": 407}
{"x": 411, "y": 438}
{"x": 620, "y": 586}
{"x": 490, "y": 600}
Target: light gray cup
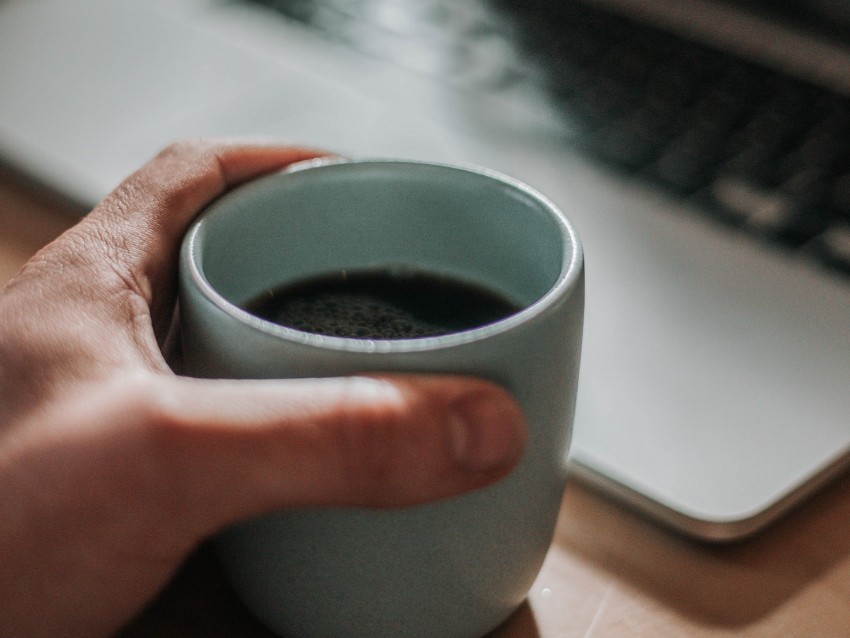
{"x": 454, "y": 568}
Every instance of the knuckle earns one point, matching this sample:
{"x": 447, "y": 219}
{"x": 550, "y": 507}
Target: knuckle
{"x": 169, "y": 182}
{"x": 190, "y": 156}
{"x": 185, "y": 147}
{"x": 159, "y": 410}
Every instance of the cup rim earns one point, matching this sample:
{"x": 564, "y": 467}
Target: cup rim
{"x": 568, "y": 278}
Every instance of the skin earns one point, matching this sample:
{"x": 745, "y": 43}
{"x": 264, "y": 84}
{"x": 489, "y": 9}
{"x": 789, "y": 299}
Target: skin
{"x": 113, "y": 468}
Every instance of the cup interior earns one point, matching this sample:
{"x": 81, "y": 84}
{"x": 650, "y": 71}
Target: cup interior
{"x": 465, "y": 223}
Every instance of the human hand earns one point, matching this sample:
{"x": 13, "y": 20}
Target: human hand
{"x": 113, "y": 468}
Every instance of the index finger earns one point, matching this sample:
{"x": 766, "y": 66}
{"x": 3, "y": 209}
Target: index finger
{"x": 139, "y": 226}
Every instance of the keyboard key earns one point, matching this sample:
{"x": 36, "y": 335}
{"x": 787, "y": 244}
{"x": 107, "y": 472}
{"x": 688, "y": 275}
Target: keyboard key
{"x": 624, "y": 145}
{"x": 839, "y": 196}
{"x": 689, "y": 162}
{"x": 833, "y": 247}
{"x": 781, "y": 215}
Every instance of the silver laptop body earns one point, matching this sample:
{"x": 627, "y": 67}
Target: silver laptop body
{"x": 715, "y": 383}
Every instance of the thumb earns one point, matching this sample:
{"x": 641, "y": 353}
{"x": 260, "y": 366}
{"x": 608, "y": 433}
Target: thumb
{"x": 240, "y": 448}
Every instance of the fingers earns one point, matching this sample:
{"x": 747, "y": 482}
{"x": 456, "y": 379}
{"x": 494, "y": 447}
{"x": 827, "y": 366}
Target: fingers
{"x": 139, "y": 226}
{"x": 112, "y": 487}
{"x": 162, "y": 197}
{"x": 236, "y": 449}
{"x": 114, "y": 273}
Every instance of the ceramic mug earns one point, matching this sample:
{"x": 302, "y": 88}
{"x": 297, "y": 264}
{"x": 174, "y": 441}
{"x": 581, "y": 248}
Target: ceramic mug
{"x": 454, "y": 568}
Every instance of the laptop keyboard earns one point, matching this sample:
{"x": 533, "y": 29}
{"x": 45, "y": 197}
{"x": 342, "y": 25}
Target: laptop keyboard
{"x": 760, "y": 152}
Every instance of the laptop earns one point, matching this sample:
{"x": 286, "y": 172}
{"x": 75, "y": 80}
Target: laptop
{"x": 702, "y": 149}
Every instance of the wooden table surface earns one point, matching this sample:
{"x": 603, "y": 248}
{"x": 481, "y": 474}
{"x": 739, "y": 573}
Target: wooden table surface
{"x": 608, "y": 573}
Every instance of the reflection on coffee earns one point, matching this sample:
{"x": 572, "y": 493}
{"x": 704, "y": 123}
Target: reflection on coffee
{"x": 382, "y": 303}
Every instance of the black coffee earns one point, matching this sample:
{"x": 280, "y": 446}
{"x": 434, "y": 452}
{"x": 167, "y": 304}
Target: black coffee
{"x": 385, "y": 303}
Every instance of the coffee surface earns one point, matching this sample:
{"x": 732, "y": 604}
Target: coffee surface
{"x": 382, "y": 303}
